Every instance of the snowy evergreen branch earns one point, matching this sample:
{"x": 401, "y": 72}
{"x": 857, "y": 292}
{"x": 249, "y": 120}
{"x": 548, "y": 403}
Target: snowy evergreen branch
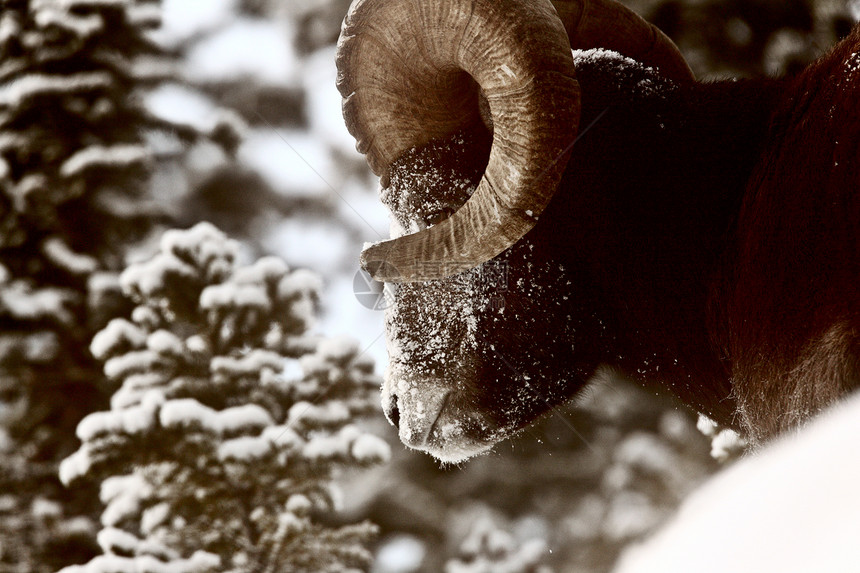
{"x": 221, "y": 438}
{"x": 74, "y": 177}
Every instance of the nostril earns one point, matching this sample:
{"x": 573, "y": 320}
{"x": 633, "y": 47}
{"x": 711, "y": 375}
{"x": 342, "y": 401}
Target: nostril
{"x": 393, "y": 413}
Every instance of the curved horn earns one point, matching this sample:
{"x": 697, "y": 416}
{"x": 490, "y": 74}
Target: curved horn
{"x": 608, "y": 24}
{"x": 410, "y": 72}
{"x": 402, "y": 65}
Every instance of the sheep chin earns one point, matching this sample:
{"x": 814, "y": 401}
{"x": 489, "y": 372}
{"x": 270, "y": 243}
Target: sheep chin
{"x": 454, "y": 454}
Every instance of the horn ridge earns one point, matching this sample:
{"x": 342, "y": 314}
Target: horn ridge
{"x": 518, "y": 54}
{"x": 414, "y": 71}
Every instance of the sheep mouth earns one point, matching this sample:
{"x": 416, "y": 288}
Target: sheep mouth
{"x": 453, "y": 433}
{"x": 455, "y": 438}
{"x": 436, "y": 422}
{"x": 417, "y": 419}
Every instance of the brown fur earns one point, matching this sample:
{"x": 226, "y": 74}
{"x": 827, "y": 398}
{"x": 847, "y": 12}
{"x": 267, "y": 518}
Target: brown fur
{"x": 793, "y": 305}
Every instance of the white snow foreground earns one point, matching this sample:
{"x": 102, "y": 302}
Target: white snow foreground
{"x": 794, "y": 507}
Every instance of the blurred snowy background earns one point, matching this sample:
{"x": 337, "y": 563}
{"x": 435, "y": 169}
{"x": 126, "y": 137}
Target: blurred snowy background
{"x": 299, "y": 189}
{"x": 570, "y": 493}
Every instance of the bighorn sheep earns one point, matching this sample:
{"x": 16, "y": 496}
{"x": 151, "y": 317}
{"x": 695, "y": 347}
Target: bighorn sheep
{"x": 703, "y": 238}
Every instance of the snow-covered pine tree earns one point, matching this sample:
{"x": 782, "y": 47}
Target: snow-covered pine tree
{"x": 74, "y": 166}
{"x": 222, "y": 441}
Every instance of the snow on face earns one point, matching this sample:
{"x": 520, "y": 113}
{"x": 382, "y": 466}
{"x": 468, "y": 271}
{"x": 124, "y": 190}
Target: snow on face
{"x": 434, "y": 345}
{"x": 468, "y": 355}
